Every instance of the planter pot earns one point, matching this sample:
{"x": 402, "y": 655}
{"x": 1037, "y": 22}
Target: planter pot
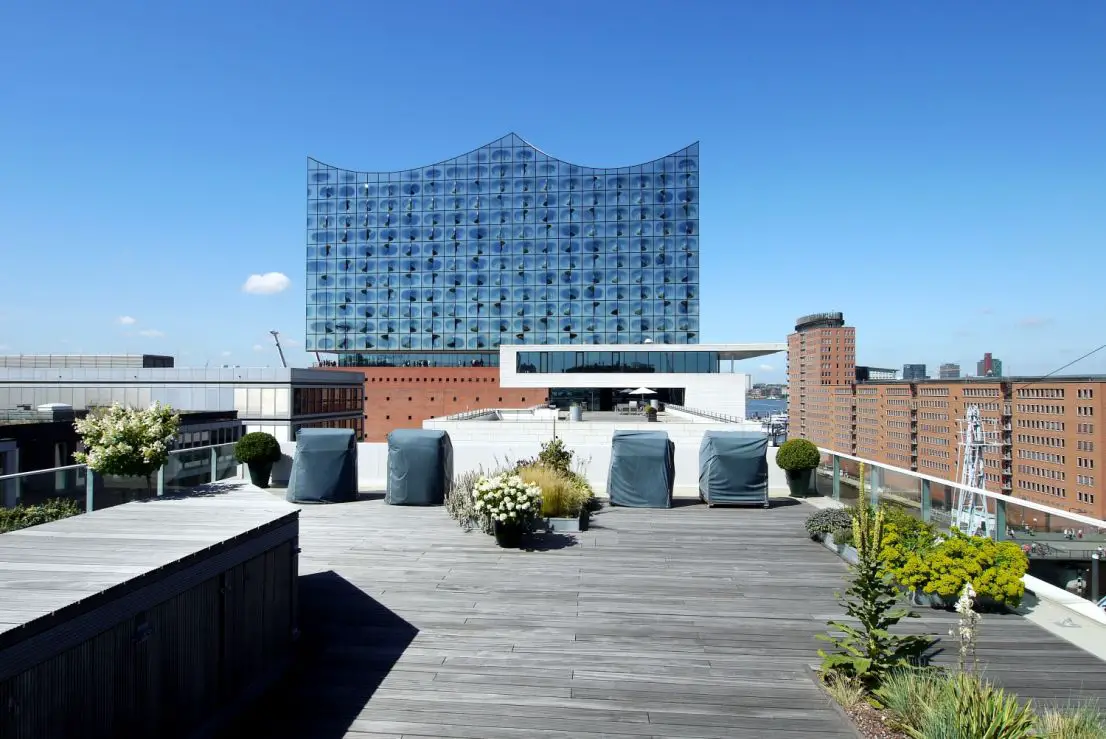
{"x": 651, "y": 417}
{"x": 568, "y": 525}
{"x": 508, "y": 534}
{"x": 798, "y": 482}
{"x": 259, "y": 473}
{"x": 575, "y": 413}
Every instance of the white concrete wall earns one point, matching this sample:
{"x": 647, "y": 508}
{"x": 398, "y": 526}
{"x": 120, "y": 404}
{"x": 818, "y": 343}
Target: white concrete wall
{"x": 485, "y": 445}
{"x": 478, "y": 447}
{"x": 721, "y": 393}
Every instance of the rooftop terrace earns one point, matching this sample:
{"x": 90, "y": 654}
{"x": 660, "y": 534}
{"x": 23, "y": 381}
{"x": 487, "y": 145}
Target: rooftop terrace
{"x": 689, "y": 622}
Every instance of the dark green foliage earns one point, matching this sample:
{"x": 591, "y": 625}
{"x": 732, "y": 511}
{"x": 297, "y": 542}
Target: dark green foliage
{"x": 650, "y": 410}
{"x": 257, "y": 447}
{"x": 555, "y": 454}
{"x": 798, "y": 454}
{"x": 827, "y": 521}
{"x": 869, "y": 652}
{"x": 20, "y": 517}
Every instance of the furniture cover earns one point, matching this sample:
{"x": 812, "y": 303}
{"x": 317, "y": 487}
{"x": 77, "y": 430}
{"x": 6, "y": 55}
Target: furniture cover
{"x": 733, "y": 467}
{"x": 420, "y": 467}
{"x": 324, "y": 469}
{"x": 643, "y": 469}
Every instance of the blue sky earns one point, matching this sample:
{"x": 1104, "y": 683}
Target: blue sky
{"x": 937, "y": 171}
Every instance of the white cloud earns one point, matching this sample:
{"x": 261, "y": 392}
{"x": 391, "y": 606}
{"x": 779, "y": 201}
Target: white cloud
{"x": 226, "y": 354}
{"x": 4, "y": 347}
{"x": 258, "y": 348}
{"x": 266, "y": 284}
{"x": 151, "y": 333}
{"x": 291, "y": 342}
{"x": 126, "y": 320}
{"x": 1034, "y": 322}
{"x": 766, "y": 368}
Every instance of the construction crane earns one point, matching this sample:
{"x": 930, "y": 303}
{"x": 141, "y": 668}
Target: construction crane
{"x": 276, "y": 338}
{"x": 973, "y": 515}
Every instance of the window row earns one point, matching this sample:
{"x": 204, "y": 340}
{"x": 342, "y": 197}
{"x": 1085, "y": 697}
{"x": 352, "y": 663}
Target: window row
{"x": 620, "y": 361}
{"x": 422, "y": 342}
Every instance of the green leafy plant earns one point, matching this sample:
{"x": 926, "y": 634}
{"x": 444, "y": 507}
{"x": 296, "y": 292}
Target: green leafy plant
{"x": 650, "y": 410}
{"x": 927, "y": 704}
{"x": 798, "y": 454}
{"x": 870, "y": 651}
{"x": 994, "y": 569}
{"x": 556, "y": 455}
{"x": 25, "y": 516}
{"x": 827, "y": 521}
{"x": 257, "y": 447}
{"x": 907, "y": 694}
{"x": 130, "y": 442}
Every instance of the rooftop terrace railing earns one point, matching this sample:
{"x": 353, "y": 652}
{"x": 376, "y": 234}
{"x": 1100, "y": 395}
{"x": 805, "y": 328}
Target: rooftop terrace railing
{"x": 1044, "y": 532}
{"x": 724, "y": 418}
{"x": 185, "y": 470}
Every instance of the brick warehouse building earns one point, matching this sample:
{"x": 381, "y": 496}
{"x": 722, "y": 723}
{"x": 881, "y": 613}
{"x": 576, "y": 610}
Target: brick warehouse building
{"x": 1049, "y": 432}
{"x": 417, "y": 277}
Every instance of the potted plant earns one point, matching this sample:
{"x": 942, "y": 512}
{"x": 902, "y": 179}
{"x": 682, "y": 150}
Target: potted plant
{"x": 258, "y": 451}
{"x": 564, "y": 500}
{"x": 128, "y": 442}
{"x": 650, "y": 414}
{"x": 511, "y": 503}
{"x": 798, "y": 458}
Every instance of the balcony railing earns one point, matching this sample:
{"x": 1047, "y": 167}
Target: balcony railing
{"x": 185, "y": 470}
{"x": 932, "y": 499}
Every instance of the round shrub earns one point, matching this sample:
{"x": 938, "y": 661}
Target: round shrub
{"x": 827, "y": 521}
{"x": 798, "y": 454}
{"x": 257, "y": 447}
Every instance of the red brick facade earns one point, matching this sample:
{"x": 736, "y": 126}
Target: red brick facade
{"x": 404, "y": 397}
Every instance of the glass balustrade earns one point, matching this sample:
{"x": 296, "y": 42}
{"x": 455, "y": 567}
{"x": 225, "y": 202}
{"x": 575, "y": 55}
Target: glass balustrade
{"x": 35, "y": 488}
{"x": 186, "y": 470}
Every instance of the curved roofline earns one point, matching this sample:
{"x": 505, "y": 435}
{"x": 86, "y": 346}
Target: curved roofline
{"x": 508, "y": 134}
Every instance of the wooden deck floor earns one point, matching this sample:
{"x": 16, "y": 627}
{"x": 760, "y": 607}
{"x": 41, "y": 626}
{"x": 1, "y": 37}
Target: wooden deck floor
{"x": 681, "y": 623}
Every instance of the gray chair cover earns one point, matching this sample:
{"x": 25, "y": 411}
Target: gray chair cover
{"x": 733, "y": 467}
{"x": 420, "y": 467}
{"x": 324, "y": 469}
{"x": 643, "y": 469}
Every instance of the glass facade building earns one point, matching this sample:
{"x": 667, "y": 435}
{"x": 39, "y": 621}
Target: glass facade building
{"x": 503, "y": 245}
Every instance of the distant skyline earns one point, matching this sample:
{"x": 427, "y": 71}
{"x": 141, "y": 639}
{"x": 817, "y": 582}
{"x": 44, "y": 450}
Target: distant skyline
{"x": 933, "y": 171}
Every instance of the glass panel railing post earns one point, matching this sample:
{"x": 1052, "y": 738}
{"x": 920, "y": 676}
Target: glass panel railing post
{"x": 927, "y": 501}
{"x": 89, "y": 490}
{"x": 214, "y": 463}
{"x": 161, "y": 480}
{"x": 1000, "y": 520}
{"x": 874, "y": 484}
{"x": 1096, "y": 563}
{"x": 836, "y": 478}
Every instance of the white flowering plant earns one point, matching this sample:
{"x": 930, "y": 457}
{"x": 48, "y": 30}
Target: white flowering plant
{"x": 130, "y": 442}
{"x": 507, "y": 499}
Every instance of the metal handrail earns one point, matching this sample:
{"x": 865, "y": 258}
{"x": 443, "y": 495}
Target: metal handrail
{"x": 1039, "y": 507}
{"x": 705, "y": 414}
{"x": 16, "y": 475}
{"x": 89, "y": 479}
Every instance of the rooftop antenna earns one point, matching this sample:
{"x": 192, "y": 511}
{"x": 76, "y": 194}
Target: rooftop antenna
{"x": 972, "y": 514}
{"x": 276, "y": 338}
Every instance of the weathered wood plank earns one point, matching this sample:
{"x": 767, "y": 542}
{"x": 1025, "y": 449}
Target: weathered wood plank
{"x": 686, "y": 622}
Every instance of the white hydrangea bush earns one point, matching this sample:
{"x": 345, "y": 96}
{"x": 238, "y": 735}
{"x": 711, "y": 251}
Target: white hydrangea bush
{"x": 130, "y": 442}
{"x": 507, "y": 499}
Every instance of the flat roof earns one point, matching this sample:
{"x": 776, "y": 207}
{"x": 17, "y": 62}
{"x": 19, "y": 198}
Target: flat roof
{"x": 725, "y": 351}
